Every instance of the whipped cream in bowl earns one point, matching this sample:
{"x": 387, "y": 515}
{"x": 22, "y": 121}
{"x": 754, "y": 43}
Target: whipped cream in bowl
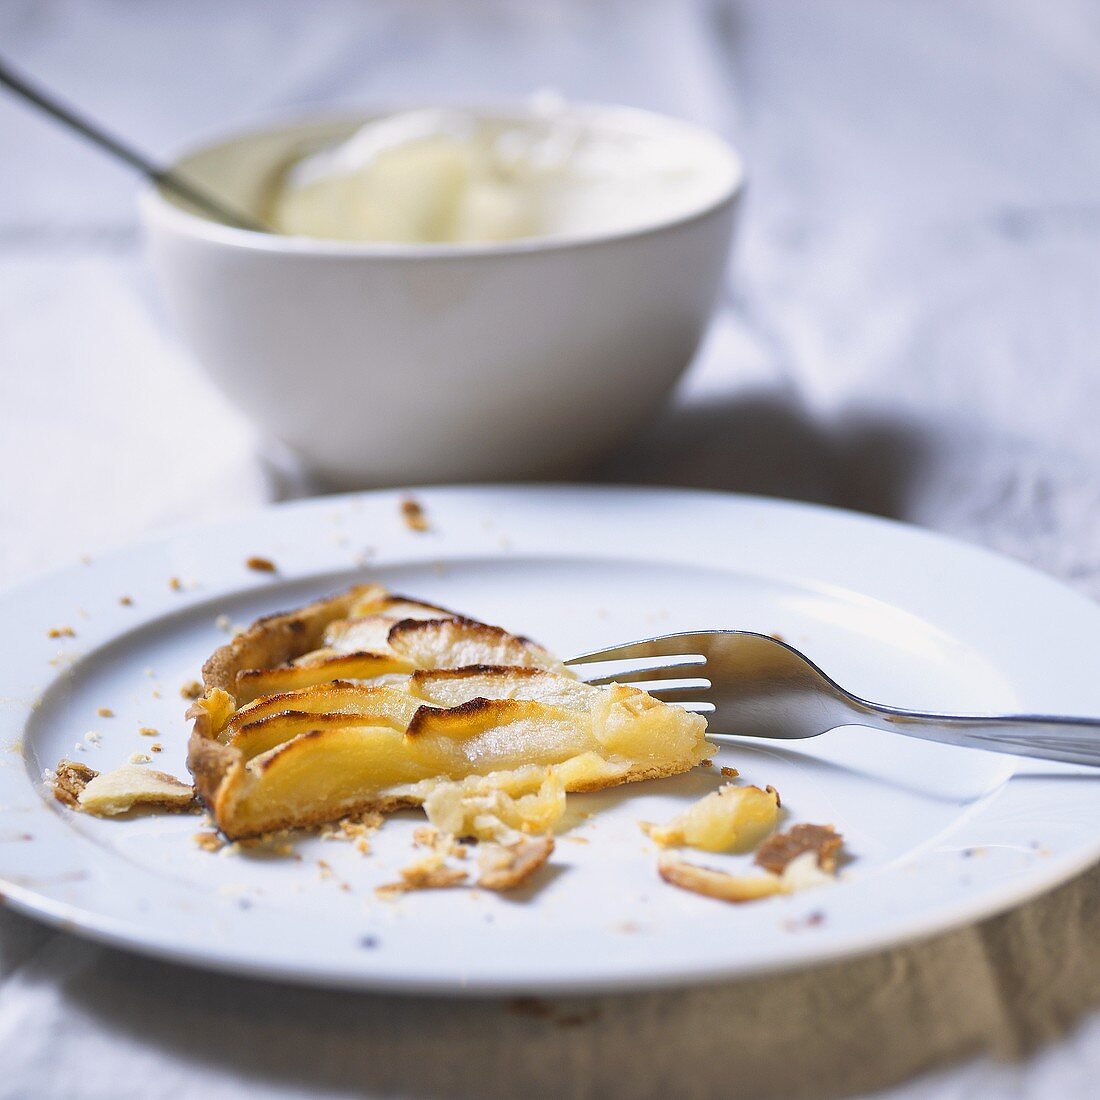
{"x": 447, "y": 175}
{"x": 448, "y": 293}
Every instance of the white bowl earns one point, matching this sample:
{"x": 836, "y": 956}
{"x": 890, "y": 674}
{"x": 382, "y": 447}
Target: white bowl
{"x": 397, "y": 363}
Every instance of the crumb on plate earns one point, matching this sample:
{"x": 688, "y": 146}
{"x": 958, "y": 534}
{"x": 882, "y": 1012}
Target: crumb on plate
{"x": 357, "y": 828}
{"x": 208, "y": 842}
{"x": 429, "y": 873}
{"x": 69, "y": 779}
{"x": 717, "y": 884}
{"x": 506, "y": 866}
{"x": 276, "y": 842}
{"x": 412, "y": 512}
{"x": 803, "y": 872}
{"x": 446, "y": 844}
{"x": 778, "y": 851}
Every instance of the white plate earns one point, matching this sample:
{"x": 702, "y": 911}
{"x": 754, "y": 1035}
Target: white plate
{"x": 938, "y": 836}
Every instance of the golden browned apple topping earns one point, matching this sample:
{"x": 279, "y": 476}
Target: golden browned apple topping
{"x": 506, "y": 866}
{"x": 731, "y": 818}
{"x": 780, "y": 850}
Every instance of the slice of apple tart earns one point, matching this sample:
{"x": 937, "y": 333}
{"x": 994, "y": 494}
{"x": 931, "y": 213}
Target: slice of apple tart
{"x": 371, "y": 701}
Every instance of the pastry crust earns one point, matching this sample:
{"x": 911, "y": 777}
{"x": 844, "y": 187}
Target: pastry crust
{"x": 276, "y": 639}
{"x": 131, "y": 785}
{"x": 506, "y": 866}
{"x": 69, "y": 781}
{"x": 299, "y": 726}
{"x": 779, "y": 851}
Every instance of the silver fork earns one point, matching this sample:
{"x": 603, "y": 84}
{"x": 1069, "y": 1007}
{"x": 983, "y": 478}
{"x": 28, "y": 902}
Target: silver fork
{"x": 754, "y": 685}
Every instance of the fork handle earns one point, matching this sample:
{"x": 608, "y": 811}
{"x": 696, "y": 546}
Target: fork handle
{"x": 1046, "y": 737}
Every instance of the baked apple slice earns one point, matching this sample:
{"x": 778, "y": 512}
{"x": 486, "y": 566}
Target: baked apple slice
{"x": 370, "y": 701}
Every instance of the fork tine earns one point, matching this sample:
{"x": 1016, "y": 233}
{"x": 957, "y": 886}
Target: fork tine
{"x": 665, "y": 646}
{"x": 653, "y": 672}
{"x": 690, "y": 693}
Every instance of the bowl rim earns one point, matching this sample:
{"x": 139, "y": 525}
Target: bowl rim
{"x": 156, "y": 209}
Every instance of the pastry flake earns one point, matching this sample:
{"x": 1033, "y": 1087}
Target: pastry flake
{"x": 413, "y": 514}
{"x": 717, "y": 884}
{"x": 498, "y": 806}
{"x": 506, "y": 866}
{"x": 429, "y": 873}
{"x": 803, "y": 871}
{"x": 780, "y": 850}
{"x": 115, "y": 792}
{"x": 69, "y": 780}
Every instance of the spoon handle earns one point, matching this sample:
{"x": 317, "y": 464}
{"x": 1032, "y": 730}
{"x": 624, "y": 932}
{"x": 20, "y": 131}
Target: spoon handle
{"x": 112, "y": 145}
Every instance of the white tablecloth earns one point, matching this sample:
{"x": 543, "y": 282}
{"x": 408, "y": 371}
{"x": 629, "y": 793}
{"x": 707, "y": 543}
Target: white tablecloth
{"x": 912, "y": 328}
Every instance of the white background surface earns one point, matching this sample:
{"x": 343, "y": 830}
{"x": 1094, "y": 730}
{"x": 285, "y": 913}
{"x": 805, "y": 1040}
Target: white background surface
{"x": 911, "y": 328}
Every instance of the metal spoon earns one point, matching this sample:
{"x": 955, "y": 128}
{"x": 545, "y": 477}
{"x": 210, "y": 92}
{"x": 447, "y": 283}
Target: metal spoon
{"x": 163, "y": 177}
